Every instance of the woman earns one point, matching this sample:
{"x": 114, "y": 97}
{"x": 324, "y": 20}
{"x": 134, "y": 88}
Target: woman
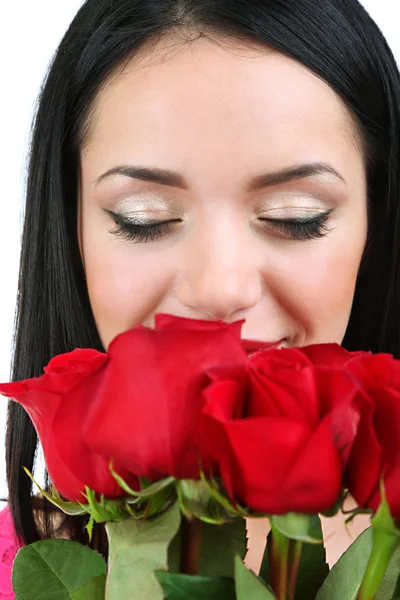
{"x": 213, "y": 160}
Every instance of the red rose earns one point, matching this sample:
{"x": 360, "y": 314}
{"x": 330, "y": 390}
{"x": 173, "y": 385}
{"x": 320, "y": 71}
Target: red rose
{"x": 137, "y": 405}
{"x": 55, "y": 403}
{"x": 146, "y": 411}
{"x": 375, "y": 452}
{"x": 272, "y": 432}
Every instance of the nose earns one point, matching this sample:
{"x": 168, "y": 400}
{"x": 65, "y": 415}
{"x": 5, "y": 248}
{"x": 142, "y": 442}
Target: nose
{"x": 219, "y": 282}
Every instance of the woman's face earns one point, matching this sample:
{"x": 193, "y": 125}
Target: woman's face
{"x": 254, "y": 168}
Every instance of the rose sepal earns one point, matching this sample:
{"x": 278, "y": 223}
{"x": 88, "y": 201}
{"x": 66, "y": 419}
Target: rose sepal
{"x": 152, "y": 497}
{"x": 99, "y": 511}
{"x": 233, "y": 510}
{"x": 353, "y": 512}
{"x": 150, "y": 500}
{"x": 105, "y": 510}
{"x": 196, "y": 500}
{"x": 102, "y": 511}
{"x": 69, "y": 508}
{"x": 147, "y": 488}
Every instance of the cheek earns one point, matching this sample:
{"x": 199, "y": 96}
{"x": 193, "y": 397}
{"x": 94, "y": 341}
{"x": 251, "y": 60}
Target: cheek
{"x": 317, "y": 289}
{"x": 124, "y": 287}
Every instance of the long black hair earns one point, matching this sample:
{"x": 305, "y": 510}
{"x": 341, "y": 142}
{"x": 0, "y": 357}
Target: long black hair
{"x": 336, "y": 39}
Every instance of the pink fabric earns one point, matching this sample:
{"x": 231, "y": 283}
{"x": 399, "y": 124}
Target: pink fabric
{"x": 9, "y": 547}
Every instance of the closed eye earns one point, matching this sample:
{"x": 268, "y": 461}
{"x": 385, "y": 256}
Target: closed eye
{"x": 298, "y": 229}
{"x": 141, "y": 231}
{"x": 301, "y": 228}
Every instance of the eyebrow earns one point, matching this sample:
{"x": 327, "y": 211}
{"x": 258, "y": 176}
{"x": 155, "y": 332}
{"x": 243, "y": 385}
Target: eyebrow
{"x": 259, "y": 182}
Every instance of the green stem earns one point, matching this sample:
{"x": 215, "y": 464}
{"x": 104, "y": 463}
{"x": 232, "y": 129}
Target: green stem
{"x": 279, "y": 563}
{"x": 383, "y": 547}
{"x": 295, "y": 549}
{"x": 191, "y": 545}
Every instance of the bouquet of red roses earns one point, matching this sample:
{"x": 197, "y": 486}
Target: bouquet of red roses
{"x": 178, "y": 433}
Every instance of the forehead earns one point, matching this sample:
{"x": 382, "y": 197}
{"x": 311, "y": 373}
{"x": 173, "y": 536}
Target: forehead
{"x": 207, "y": 99}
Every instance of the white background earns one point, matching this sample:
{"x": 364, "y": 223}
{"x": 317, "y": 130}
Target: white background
{"x": 29, "y": 34}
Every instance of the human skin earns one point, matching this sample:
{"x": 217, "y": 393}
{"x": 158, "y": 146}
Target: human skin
{"x": 220, "y": 114}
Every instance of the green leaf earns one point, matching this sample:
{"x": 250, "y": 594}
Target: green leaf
{"x": 385, "y": 542}
{"x": 136, "y": 550}
{"x": 94, "y": 589}
{"x": 190, "y": 587}
{"x": 313, "y": 569}
{"x": 54, "y": 569}
{"x": 390, "y": 585}
{"x": 346, "y": 575}
{"x": 396, "y": 593}
{"x": 305, "y": 528}
{"x": 219, "y": 545}
{"x": 248, "y": 585}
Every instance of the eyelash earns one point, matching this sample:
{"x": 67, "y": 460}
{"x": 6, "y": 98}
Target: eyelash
{"x": 303, "y": 229}
{"x": 296, "y": 229}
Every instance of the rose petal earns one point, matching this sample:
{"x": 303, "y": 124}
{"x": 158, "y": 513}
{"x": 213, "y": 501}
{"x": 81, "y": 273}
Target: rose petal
{"x": 313, "y": 483}
{"x": 155, "y": 379}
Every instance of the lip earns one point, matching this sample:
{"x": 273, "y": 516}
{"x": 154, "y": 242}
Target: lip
{"x": 251, "y": 346}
